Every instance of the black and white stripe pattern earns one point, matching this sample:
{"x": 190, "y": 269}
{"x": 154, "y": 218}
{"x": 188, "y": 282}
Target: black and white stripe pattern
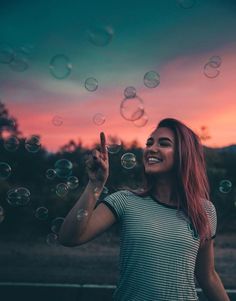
{"x": 158, "y": 249}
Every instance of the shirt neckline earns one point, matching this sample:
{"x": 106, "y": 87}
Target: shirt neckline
{"x": 163, "y": 204}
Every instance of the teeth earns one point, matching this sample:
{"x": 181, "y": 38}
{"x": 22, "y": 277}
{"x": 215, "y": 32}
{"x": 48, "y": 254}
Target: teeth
{"x": 152, "y": 160}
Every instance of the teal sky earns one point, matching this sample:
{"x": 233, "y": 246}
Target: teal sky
{"x": 148, "y": 35}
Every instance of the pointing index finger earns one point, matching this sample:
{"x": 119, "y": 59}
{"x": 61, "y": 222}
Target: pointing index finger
{"x": 103, "y": 143}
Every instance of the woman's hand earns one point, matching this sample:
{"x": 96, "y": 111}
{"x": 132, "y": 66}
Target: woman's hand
{"x": 97, "y": 164}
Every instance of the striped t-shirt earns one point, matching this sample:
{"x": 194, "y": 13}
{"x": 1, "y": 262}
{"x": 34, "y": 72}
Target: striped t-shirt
{"x": 158, "y": 249}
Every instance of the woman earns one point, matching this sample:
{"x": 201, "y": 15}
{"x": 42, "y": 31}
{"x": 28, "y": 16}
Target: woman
{"x": 167, "y": 229}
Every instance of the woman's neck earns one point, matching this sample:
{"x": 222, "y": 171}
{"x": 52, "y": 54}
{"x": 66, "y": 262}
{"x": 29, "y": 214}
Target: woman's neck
{"x": 163, "y": 189}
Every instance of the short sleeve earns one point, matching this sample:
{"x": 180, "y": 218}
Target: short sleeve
{"x": 117, "y": 202}
{"x": 212, "y": 217}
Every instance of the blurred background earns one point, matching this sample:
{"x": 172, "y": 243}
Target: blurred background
{"x": 71, "y": 69}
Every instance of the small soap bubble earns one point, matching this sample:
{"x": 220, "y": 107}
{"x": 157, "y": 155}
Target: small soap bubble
{"x": 72, "y": 182}
{"x": 41, "y": 213}
{"x": 81, "y": 213}
{"x": 99, "y": 119}
{"x": 215, "y": 61}
{"x": 11, "y": 144}
{"x": 56, "y": 224}
{"x": 100, "y": 35}
{"x": 128, "y": 160}
{"x": 91, "y": 84}
{"x": 141, "y": 121}
{"x": 62, "y": 190}
{"x": 60, "y": 66}
{"x": 52, "y": 240}
{"x": 57, "y": 120}
{"x": 210, "y": 71}
{"x": 18, "y": 196}
{"x": 33, "y": 144}
{"x": 5, "y": 171}
{"x": 151, "y": 79}
{"x": 225, "y": 186}
{"x": 63, "y": 168}
{"x": 51, "y": 174}
{"x": 132, "y": 108}
{"x": 6, "y": 53}
{"x": 130, "y": 92}
{"x": 186, "y": 3}
{"x": 113, "y": 145}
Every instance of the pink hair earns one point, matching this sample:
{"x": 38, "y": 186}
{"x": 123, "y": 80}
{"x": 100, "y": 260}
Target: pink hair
{"x": 192, "y": 187}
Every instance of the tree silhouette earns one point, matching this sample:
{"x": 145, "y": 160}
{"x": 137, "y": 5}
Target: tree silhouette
{"x": 7, "y": 123}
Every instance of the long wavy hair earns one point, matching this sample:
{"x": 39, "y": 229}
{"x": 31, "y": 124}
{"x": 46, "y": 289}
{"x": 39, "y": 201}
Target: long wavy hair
{"x": 191, "y": 186}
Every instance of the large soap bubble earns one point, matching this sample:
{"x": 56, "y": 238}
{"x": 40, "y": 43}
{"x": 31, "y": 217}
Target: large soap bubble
{"x": 18, "y": 196}
{"x": 33, "y": 144}
{"x": 63, "y": 168}
{"x": 5, "y": 171}
{"x": 151, "y": 79}
{"x": 91, "y": 84}
{"x": 132, "y": 108}
{"x": 11, "y": 144}
{"x": 60, "y": 66}
{"x": 100, "y": 35}
{"x": 128, "y": 160}
{"x": 6, "y": 53}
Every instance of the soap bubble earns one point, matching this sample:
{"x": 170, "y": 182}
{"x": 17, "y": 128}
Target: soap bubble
{"x": 18, "y": 196}
{"x": 72, "y": 182}
{"x": 100, "y": 35}
{"x": 60, "y": 66}
{"x": 141, "y": 121}
{"x": 63, "y": 168}
{"x": 99, "y": 119}
{"x": 151, "y": 79}
{"x": 186, "y": 3}
{"x": 57, "y": 120}
{"x": 6, "y": 53}
{"x": 132, "y": 108}
{"x": 215, "y": 61}
{"x": 130, "y": 92}
{"x": 41, "y": 213}
{"x": 33, "y": 144}
{"x": 52, "y": 239}
{"x": 20, "y": 62}
{"x": 113, "y": 144}
{"x": 11, "y": 144}
{"x": 51, "y": 174}
{"x": 5, "y": 171}
{"x": 225, "y": 186}
{"x": 81, "y": 213}
{"x": 56, "y": 224}
{"x": 61, "y": 190}
{"x": 210, "y": 71}
{"x": 91, "y": 84}
{"x": 128, "y": 160}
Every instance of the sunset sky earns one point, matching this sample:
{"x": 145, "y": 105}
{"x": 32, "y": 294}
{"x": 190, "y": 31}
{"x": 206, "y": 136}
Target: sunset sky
{"x": 162, "y": 36}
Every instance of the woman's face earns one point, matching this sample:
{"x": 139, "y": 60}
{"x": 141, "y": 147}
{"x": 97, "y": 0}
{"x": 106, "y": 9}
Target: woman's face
{"x": 158, "y": 156}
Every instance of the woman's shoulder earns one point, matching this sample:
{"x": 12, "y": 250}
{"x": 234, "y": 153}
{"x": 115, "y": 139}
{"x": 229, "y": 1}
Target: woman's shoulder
{"x": 208, "y": 205}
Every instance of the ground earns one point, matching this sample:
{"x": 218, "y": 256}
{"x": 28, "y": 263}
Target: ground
{"x": 93, "y": 263}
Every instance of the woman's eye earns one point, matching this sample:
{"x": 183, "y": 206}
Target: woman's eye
{"x": 164, "y": 144}
{"x": 149, "y": 143}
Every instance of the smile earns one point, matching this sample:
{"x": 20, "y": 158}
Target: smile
{"x": 153, "y": 160}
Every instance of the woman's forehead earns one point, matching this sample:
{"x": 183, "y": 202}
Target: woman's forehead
{"x": 163, "y": 132}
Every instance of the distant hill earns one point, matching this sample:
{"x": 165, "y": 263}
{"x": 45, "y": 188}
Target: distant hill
{"x": 228, "y": 149}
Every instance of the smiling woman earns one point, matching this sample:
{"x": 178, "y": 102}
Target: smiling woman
{"x": 167, "y": 230}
